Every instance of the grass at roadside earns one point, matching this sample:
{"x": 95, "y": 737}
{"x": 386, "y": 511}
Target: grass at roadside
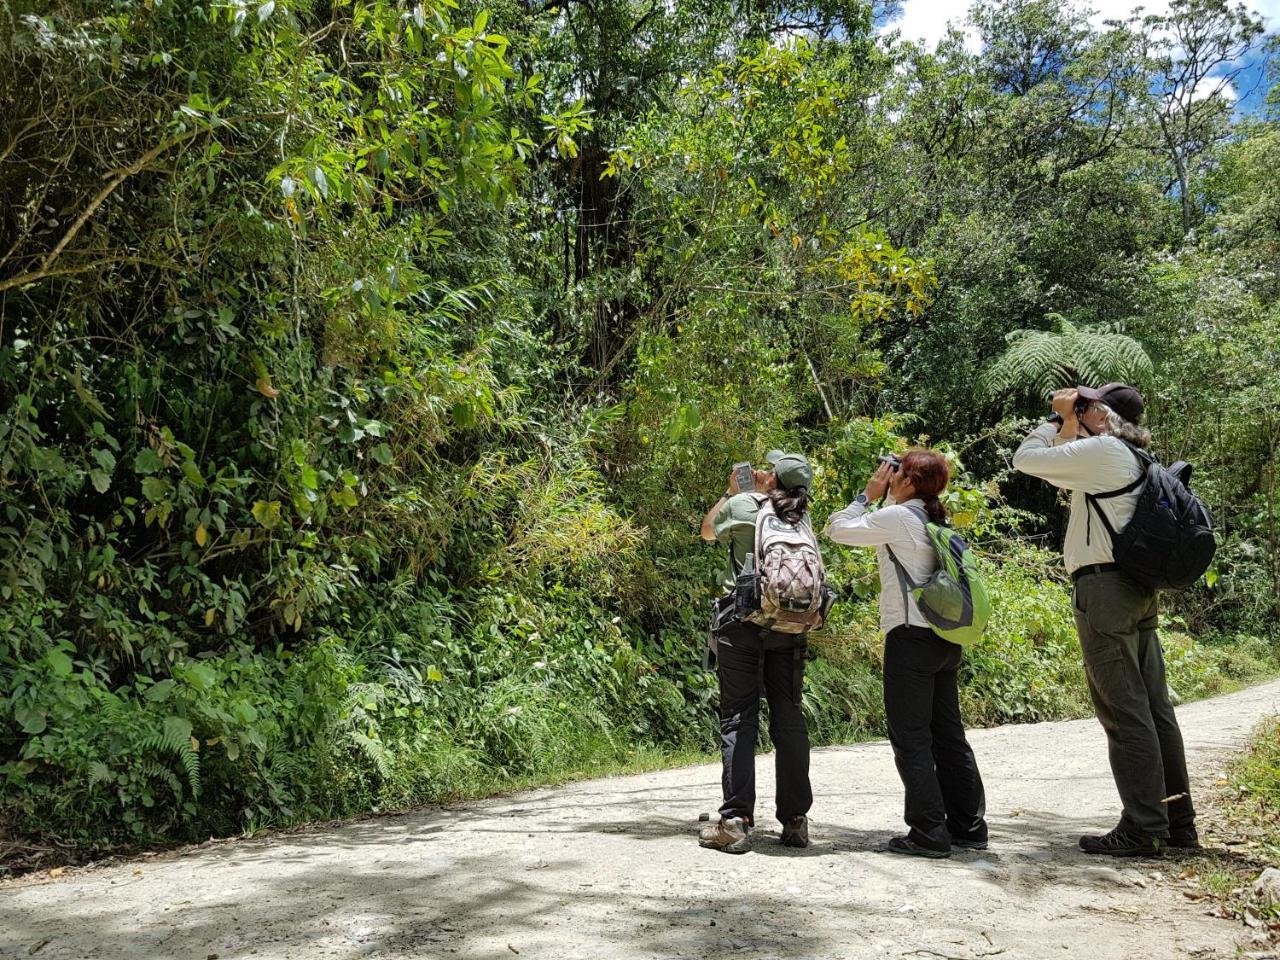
{"x": 1255, "y": 777}
{"x": 1240, "y": 824}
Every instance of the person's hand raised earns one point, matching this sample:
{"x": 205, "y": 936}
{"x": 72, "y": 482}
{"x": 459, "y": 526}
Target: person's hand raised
{"x": 1064, "y": 403}
{"x": 878, "y": 485}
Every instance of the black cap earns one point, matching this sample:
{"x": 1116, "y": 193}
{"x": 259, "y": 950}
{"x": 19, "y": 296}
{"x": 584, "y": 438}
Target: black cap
{"x": 1120, "y": 397}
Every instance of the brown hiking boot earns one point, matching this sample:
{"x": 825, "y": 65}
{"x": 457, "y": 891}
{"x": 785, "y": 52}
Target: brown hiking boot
{"x": 728, "y": 834}
{"x": 795, "y": 832}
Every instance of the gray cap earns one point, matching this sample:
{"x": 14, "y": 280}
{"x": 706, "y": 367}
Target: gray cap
{"x": 791, "y": 469}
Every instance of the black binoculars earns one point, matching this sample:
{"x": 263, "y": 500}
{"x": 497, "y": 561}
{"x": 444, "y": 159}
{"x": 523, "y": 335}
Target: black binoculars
{"x": 894, "y": 461}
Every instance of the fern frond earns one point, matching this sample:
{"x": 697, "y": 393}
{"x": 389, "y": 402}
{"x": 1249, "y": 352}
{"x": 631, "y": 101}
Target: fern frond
{"x": 175, "y": 738}
{"x": 99, "y": 772}
{"x": 1041, "y": 361}
{"x": 158, "y": 771}
{"x": 1034, "y": 357}
{"x": 377, "y": 754}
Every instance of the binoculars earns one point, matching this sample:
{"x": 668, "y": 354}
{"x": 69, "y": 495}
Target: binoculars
{"x": 894, "y": 461}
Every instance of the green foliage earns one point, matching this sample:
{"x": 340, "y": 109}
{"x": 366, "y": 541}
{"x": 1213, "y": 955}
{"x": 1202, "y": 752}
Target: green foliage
{"x": 1037, "y": 362}
{"x": 366, "y": 367}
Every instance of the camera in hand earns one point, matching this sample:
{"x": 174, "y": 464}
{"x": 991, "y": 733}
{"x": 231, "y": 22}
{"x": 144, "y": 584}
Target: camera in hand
{"x": 744, "y": 476}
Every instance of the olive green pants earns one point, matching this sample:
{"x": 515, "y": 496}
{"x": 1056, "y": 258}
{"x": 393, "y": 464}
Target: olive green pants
{"x": 1124, "y": 664}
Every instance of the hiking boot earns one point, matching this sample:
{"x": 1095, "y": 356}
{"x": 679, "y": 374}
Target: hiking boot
{"x": 728, "y": 834}
{"x": 1122, "y": 843}
{"x": 1185, "y": 839}
{"x": 958, "y": 843}
{"x": 795, "y": 832}
{"x": 907, "y": 846}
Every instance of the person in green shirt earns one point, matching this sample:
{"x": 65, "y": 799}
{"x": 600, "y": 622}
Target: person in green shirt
{"x": 752, "y": 661}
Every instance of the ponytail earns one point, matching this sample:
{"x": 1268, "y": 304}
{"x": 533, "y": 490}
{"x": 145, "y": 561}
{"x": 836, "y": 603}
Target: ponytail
{"x": 934, "y": 508}
{"x": 791, "y": 505}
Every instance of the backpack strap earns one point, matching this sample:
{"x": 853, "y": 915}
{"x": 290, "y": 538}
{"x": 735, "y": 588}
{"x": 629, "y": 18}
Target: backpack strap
{"x": 904, "y": 578}
{"x": 763, "y": 502}
{"x": 1091, "y": 499}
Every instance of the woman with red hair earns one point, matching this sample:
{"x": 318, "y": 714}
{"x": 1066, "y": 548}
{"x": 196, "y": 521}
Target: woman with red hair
{"x": 945, "y": 803}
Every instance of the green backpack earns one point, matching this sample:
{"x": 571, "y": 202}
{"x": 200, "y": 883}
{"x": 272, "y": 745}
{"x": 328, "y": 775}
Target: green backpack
{"x": 954, "y": 598}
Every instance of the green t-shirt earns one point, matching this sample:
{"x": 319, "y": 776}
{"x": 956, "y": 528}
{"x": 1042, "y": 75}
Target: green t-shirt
{"x": 735, "y": 523}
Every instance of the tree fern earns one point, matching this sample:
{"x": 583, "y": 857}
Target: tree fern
{"x": 1041, "y": 361}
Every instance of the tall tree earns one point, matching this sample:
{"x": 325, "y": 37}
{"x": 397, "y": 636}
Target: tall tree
{"x": 1197, "y": 52}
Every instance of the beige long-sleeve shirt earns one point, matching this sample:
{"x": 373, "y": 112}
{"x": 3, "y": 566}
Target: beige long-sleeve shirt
{"x": 1092, "y": 465}
{"x": 891, "y": 526}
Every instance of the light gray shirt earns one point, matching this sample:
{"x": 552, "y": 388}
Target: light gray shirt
{"x": 890, "y": 526}
{"x": 1092, "y": 465}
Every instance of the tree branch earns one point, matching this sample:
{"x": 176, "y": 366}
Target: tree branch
{"x": 22, "y": 279}
{"x": 118, "y": 177}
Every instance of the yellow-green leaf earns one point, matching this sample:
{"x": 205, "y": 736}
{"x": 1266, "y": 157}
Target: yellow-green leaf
{"x": 267, "y": 513}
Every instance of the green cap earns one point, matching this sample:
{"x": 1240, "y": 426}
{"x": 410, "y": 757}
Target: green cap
{"x": 791, "y": 469}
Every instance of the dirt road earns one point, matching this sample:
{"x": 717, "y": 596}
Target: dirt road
{"x": 611, "y": 869}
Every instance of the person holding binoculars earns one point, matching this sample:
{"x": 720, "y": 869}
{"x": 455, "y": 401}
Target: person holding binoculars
{"x": 945, "y": 800}
{"x": 1092, "y": 444}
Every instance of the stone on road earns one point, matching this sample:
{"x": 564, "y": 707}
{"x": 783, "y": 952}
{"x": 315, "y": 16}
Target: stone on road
{"x": 611, "y": 869}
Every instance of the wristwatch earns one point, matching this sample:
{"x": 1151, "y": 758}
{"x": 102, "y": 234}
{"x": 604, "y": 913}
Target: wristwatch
{"x": 1055, "y": 418}
{"x": 862, "y": 499}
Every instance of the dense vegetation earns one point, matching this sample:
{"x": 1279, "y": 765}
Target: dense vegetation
{"x": 366, "y": 367}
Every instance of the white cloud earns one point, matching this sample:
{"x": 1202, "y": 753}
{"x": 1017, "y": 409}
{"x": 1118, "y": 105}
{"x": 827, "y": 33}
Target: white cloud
{"x": 1270, "y": 10}
{"x": 1210, "y": 85}
{"x": 926, "y": 20}
{"x": 1104, "y": 10}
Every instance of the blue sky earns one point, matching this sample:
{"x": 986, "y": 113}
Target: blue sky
{"x": 927, "y": 20}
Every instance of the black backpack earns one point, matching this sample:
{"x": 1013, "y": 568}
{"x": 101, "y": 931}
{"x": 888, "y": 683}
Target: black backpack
{"x": 1169, "y": 543}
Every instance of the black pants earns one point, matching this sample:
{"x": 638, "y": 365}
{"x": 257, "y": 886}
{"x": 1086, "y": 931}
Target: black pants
{"x": 740, "y": 649}
{"x": 1116, "y": 618}
{"x": 945, "y": 798}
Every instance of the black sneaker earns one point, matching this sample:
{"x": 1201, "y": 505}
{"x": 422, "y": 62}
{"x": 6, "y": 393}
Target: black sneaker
{"x": 907, "y": 846}
{"x": 1122, "y": 843}
{"x": 960, "y": 844}
{"x": 1186, "y": 839}
{"x": 795, "y": 832}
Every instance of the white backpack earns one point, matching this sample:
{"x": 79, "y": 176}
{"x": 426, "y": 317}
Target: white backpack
{"x": 791, "y": 579}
